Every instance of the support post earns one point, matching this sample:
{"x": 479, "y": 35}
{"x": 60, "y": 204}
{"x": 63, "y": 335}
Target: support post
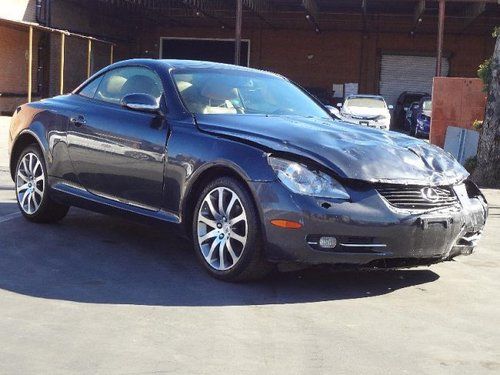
{"x": 61, "y": 73}
{"x": 442, "y": 5}
{"x": 30, "y": 64}
{"x": 111, "y": 54}
{"x": 237, "y": 39}
{"x": 89, "y": 58}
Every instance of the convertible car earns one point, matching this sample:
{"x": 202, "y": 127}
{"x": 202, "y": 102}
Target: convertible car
{"x": 247, "y": 164}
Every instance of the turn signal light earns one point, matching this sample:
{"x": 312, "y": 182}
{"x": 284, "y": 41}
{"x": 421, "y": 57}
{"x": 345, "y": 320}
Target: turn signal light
{"x": 286, "y": 224}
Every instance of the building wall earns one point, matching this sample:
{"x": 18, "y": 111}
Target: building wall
{"x": 333, "y": 57}
{"x": 14, "y": 44}
{"x": 18, "y": 10}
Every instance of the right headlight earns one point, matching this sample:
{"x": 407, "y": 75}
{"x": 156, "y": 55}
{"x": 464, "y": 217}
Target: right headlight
{"x": 301, "y": 180}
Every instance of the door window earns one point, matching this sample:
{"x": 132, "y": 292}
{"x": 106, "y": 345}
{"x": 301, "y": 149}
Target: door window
{"x": 90, "y": 89}
{"x": 120, "y": 82}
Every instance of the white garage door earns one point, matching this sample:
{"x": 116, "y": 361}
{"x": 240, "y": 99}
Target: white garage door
{"x": 407, "y": 73}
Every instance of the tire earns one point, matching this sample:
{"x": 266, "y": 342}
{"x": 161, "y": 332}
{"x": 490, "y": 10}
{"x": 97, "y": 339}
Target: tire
{"x": 413, "y": 131}
{"x": 32, "y": 189}
{"x": 238, "y": 233}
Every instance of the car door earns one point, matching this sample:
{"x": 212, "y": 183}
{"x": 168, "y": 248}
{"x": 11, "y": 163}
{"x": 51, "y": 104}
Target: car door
{"x": 116, "y": 152}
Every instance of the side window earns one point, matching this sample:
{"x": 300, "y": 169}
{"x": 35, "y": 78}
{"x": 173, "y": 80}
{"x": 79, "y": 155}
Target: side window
{"x": 120, "y": 82}
{"x": 89, "y": 90}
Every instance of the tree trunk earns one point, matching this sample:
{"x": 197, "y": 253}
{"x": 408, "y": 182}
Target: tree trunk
{"x": 487, "y": 172}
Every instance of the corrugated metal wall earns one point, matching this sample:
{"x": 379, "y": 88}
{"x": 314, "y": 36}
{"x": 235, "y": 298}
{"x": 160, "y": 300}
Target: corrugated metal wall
{"x": 407, "y": 73}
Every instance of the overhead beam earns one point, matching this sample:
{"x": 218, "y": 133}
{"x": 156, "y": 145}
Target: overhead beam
{"x": 472, "y": 12}
{"x": 260, "y": 8}
{"x": 417, "y": 15}
{"x": 312, "y": 13}
{"x": 205, "y": 8}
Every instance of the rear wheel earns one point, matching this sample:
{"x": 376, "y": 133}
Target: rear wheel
{"x": 32, "y": 188}
{"x": 226, "y": 232}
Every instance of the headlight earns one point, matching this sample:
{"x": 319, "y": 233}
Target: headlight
{"x": 301, "y": 180}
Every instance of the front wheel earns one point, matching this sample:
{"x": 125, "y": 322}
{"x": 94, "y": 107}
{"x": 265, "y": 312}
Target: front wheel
{"x": 32, "y": 188}
{"x": 226, "y": 232}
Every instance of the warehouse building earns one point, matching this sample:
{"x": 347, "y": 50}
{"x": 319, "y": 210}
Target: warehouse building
{"x": 330, "y": 47}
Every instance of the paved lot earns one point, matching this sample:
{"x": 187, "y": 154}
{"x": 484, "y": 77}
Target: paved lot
{"x": 96, "y": 294}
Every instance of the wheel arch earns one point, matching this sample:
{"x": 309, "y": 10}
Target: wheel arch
{"x": 198, "y": 183}
{"x": 23, "y": 140}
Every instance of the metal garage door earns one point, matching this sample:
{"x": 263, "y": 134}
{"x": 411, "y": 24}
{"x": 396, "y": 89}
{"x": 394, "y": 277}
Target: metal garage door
{"x": 407, "y": 73}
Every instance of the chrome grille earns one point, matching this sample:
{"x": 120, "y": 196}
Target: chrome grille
{"x": 412, "y": 197}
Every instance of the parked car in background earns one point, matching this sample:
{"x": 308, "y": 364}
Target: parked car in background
{"x": 402, "y": 105}
{"x": 410, "y": 115}
{"x": 247, "y": 165}
{"x": 419, "y": 117}
{"x": 367, "y": 110}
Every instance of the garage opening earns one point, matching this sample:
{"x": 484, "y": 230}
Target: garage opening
{"x": 401, "y": 73}
{"x": 216, "y": 50}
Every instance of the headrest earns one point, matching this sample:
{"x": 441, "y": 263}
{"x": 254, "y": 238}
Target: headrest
{"x": 218, "y": 91}
{"x": 115, "y": 84}
{"x": 141, "y": 84}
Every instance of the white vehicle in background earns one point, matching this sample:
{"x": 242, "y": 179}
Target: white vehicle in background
{"x": 366, "y": 110}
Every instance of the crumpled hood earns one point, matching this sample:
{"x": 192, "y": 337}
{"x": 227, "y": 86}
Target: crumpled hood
{"x": 350, "y": 152}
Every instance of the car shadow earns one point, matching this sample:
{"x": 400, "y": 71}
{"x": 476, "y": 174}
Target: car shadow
{"x": 98, "y": 259}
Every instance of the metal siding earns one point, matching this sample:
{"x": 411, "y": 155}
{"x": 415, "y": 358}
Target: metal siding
{"x": 407, "y": 73}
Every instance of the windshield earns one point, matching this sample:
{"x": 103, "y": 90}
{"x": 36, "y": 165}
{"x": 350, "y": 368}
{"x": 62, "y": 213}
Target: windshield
{"x": 427, "y": 105}
{"x": 365, "y": 103}
{"x": 216, "y": 92}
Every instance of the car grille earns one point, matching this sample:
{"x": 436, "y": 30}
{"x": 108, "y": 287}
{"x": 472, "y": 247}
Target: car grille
{"x": 412, "y": 197}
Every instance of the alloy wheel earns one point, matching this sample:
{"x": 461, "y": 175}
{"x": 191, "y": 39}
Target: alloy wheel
{"x": 30, "y": 183}
{"x": 222, "y": 228}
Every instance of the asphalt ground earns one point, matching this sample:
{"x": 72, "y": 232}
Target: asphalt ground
{"x": 100, "y": 295}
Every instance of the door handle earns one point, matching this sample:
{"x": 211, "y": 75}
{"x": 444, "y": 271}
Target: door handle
{"x": 78, "y": 120}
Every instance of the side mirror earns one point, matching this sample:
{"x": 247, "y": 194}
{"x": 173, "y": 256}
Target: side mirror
{"x": 339, "y": 105}
{"x": 406, "y": 108}
{"x": 334, "y": 111}
{"x": 141, "y": 102}
{"x": 390, "y": 106}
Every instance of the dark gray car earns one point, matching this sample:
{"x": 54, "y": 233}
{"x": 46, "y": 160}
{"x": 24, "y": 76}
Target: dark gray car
{"x": 245, "y": 163}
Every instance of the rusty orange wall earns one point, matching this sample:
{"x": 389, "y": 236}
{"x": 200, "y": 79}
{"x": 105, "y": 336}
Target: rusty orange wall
{"x": 455, "y": 102}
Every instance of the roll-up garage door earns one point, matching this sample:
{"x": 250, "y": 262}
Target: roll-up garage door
{"x": 407, "y": 73}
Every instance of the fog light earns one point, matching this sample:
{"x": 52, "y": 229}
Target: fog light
{"x": 327, "y": 242}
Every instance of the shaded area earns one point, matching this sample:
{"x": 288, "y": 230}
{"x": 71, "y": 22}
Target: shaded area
{"x": 97, "y": 259}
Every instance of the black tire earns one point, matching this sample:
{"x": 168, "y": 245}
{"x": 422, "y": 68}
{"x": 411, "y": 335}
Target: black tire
{"x": 413, "y": 132}
{"x": 251, "y": 264}
{"x": 48, "y": 211}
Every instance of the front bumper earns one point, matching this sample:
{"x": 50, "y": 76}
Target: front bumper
{"x": 381, "y": 124}
{"x": 369, "y": 231}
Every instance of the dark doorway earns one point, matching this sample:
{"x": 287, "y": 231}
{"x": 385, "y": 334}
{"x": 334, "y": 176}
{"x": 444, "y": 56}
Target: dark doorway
{"x": 203, "y": 49}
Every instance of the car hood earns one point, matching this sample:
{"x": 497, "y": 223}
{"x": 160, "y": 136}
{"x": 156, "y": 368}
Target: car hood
{"x": 350, "y": 152}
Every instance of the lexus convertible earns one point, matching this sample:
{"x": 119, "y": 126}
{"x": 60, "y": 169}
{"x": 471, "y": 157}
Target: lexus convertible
{"x": 249, "y": 166}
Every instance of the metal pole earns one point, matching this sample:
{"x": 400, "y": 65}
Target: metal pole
{"x": 89, "y": 58}
{"x": 440, "y": 37}
{"x": 111, "y": 54}
{"x": 61, "y": 73}
{"x": 30, "y": 64}
{"x": 239, "y": 20}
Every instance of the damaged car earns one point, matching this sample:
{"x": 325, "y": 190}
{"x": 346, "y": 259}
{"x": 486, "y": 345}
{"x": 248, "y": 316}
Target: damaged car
{"x": 255, "y": 171}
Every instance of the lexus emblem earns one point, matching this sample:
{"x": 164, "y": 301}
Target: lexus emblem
{"x": 430, "y": 194}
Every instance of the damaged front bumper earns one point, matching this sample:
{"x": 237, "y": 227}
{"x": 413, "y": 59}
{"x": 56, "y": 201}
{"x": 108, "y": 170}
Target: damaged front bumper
{"x": 368, "y": 230}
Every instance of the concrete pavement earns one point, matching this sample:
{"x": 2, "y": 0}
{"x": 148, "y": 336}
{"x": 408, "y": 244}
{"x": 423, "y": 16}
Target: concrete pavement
{"x": 100, "y": 295}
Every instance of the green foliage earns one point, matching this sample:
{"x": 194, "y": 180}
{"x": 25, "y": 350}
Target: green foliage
{"x": 470, "y": 164}
{"x": 477, "y": 125}
{"x": 484, "y": 72}
{"x": 485, "y": 69}
{"x": 496, "y": 32}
